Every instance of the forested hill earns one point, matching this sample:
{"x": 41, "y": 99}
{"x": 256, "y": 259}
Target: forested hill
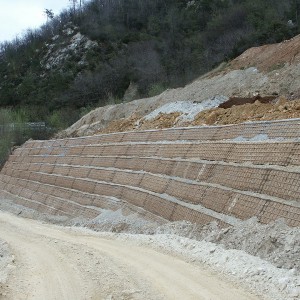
{"x": 90, "y": 55}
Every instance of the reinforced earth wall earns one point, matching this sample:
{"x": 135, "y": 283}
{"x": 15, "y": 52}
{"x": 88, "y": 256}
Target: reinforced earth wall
{"x": 199, "y": 174}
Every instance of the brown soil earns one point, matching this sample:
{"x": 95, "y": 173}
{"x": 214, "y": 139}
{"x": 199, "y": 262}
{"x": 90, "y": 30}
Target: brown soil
{"x": 120, "y": 125}
{"x": 269, "y": 57}
{"x": 136, "y": 123}
{"x": 240, "y": 101}
{"x": 257, "y": 111}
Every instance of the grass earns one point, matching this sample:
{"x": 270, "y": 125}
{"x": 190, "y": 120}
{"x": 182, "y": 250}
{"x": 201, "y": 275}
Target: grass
{"x": 277, "y": 66}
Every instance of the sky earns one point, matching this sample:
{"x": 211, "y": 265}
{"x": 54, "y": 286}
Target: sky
{"x": 18, "y": 15}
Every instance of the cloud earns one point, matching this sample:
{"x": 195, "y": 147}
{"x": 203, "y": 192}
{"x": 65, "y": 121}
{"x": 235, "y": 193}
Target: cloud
{"x": 19, "y": 15}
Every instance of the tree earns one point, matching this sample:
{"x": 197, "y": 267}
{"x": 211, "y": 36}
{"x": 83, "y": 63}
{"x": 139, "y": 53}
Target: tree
{"x": 49, "y": 14}
{"x": 74, "y": 3}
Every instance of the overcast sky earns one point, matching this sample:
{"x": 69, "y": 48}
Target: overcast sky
{"x": 19, "y": 15}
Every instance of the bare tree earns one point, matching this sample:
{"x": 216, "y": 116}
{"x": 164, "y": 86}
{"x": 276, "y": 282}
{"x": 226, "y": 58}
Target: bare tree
{"x": 49, "y": 14}
{"x": 74, "y": 3}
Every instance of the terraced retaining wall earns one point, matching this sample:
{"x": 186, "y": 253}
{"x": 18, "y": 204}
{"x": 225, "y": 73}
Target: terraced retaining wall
{"x": 199, "y": 174}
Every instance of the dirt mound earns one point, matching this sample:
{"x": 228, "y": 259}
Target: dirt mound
{"x": 277, "y": 283}
{"x": 275, "y": 242}
{"x": 257, "y": 111}
{"x": 135, "y": 123}
{"x": 270, "y": 57}
{"x": 120, "y": 125}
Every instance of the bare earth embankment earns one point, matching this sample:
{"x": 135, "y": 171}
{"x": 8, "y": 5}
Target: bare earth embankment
{"x": 270, "y": 70}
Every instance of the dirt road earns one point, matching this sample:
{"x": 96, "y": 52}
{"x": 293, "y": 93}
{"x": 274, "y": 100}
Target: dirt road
{"x": 60, "y": 263}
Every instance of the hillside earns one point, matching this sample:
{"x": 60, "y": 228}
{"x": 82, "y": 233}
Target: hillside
{"x": 111, "y": 51}
{"x": 274, "y": 78}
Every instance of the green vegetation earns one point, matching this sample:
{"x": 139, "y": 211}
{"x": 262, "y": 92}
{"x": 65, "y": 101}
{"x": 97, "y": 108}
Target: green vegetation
{"x": 154, "y": 44}
{"x": 5, "y": 137}
{"x": 276, "y": 67}
{"x": 15, "y": 130}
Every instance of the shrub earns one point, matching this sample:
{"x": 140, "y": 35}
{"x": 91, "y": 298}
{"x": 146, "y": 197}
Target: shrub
{"x": 156, "y": 89}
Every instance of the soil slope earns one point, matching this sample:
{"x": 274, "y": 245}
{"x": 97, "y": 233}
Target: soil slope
{"x": 270, "y": 57}
{"x": 267, "y": 70}
{"x": 257, "y": 111}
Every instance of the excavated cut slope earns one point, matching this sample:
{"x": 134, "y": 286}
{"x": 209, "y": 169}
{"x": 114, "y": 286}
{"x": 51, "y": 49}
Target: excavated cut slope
{"x": 200, "y": 174}
{"x": 269, "y": 70}
{"x": 270, "y": 56}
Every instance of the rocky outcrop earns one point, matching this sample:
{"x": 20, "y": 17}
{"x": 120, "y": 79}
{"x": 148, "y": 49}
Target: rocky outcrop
{"x": 70, "y": 46}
